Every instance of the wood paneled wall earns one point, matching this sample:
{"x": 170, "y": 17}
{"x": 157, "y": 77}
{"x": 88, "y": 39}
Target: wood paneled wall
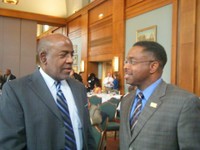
{"x": 137, "y": 7}
{"x": 100, "y": 40}
{"x": 100, "y": 32}
{"x": 74, "y": 28}
{"x": 188, "y": 50}
{"x": 118, "y": 37}
{"x": 197, "y": 53}
{"x": 104, "y": 37}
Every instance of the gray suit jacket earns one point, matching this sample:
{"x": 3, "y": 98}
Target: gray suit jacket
{"x": 30, "y": 119}
{"x": 170, "y": 120}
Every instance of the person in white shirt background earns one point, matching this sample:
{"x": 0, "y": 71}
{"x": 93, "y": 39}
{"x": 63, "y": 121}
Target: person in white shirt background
{"x": 108, "y": 82}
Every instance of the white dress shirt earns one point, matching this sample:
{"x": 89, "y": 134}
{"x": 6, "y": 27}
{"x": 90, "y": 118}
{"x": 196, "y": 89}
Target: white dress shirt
{"x": 108, "y": 82}
{"x": 76, "y": 123}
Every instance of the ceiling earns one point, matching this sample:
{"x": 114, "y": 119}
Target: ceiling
{"x": 57, "y": 8}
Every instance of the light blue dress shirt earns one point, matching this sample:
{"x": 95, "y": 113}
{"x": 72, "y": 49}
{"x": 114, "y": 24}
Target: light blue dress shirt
{"x": 147, "y": 93}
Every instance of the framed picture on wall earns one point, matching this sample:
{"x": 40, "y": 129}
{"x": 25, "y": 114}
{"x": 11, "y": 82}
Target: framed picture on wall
{"x": 147, "y": 34}
{"x": 75, "y": 59}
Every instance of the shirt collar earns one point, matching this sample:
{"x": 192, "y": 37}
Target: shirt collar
{"x": 49, "y": 80}
{"x": 149, "y": 90}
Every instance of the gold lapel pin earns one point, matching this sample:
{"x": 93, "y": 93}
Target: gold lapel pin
{"x": 154, "y": 105}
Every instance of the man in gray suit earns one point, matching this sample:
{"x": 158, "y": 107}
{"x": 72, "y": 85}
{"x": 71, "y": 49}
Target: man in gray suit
{"x": 29, "y": 114}
{"x": 163, "y": 117}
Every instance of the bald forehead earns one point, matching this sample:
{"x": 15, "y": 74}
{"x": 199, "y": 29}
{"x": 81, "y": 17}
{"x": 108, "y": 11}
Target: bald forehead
{"x": 51, "y": 39}
{"x": 56, "y": 38}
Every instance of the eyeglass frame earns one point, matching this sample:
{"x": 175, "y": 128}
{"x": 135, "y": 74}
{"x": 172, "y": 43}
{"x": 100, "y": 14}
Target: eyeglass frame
{"x": 131, "y": 61}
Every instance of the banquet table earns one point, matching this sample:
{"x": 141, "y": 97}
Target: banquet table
{"x": 105, "y": 97}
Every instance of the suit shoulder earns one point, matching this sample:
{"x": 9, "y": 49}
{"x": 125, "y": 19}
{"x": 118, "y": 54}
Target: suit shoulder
{"x": 18, "y": 81}
{"x": 21, "y": 79}
{"x": 76, "y": 83}
{"x": 128, "y": 95}
{"x": 179, "y": 91}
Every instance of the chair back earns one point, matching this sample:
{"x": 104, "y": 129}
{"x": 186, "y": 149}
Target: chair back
{"x": 109, "y": 109}
{"x": 104, "y": 124}
{"x": 99, "y": 134}
{"x": 95, "y": 100}
{"x": 114, "y": 101}
{"x": 95, "y": 115}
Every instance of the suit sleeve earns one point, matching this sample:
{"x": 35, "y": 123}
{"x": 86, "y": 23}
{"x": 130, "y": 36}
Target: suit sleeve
{"x": 12, "y": 130}
{"x": 189, "y": 125}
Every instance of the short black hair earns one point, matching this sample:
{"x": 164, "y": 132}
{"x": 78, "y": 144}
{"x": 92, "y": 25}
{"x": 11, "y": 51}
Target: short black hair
{"x": 155, "y": 48}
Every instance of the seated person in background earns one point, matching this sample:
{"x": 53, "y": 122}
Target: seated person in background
{"x": 97, "y": 88}
{"x": 92, "y": 79}
{"x": 75, "y": 76}
{"x": 1, "y": 79}
{"x": 115, "y": 81}
{"x": 108, "y": 82}
{"x": 80, "y": 74}
{"x": 95, "y": 115}
{"x": 8, "y": 76}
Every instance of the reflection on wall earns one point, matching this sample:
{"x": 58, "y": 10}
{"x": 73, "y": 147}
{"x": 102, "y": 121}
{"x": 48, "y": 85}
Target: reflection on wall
{"x": 42, "y": 28}
{"x": 100, "y": 68}
{"x": 77, "y": 46}
{"x": 162, "y": 18}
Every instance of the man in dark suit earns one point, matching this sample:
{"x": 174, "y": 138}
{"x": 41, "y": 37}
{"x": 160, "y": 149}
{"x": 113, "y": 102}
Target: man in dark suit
{"x": 31, "y": 116}
{"x": 162, "y": 116}
{"x": 1, "y": 80}
{"x": 8, "y": 76}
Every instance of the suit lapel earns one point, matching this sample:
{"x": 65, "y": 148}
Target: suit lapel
{"x": 150, "y": 108}
{"x": 128, "y": 102}
{"x": 38, "y": 85}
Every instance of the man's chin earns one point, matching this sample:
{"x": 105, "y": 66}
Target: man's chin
{"x": 127, "y": 82}
{"x": 65, "y": 76}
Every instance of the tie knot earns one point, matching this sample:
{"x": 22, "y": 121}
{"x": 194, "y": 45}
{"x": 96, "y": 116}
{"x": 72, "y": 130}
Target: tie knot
{"x": 140, "y": 95}
{"x": 58, "y": 84}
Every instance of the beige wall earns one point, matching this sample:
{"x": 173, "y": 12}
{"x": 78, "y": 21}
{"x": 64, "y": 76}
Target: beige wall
{"x": 17, "y": 45}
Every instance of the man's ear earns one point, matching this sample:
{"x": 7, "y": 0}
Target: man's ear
{"x": 43, "y": 57}
{"x": 154, "y": 66}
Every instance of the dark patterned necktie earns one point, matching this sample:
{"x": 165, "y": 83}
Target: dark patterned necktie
{"x": 136, "y": 112}
{"x": 70, "y": 141}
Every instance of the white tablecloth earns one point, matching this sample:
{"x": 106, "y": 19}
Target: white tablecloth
{"x": 105, "y": 97}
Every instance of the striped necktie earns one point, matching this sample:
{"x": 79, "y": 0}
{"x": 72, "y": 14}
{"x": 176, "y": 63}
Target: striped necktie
{"x": 137, "y": 111}
{"x": 70, "y": 141}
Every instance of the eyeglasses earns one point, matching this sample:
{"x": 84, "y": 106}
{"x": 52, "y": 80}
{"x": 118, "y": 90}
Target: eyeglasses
{"x": 134, "y": 62}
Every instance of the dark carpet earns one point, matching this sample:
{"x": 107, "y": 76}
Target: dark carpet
{"x": 112, "y": 143}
